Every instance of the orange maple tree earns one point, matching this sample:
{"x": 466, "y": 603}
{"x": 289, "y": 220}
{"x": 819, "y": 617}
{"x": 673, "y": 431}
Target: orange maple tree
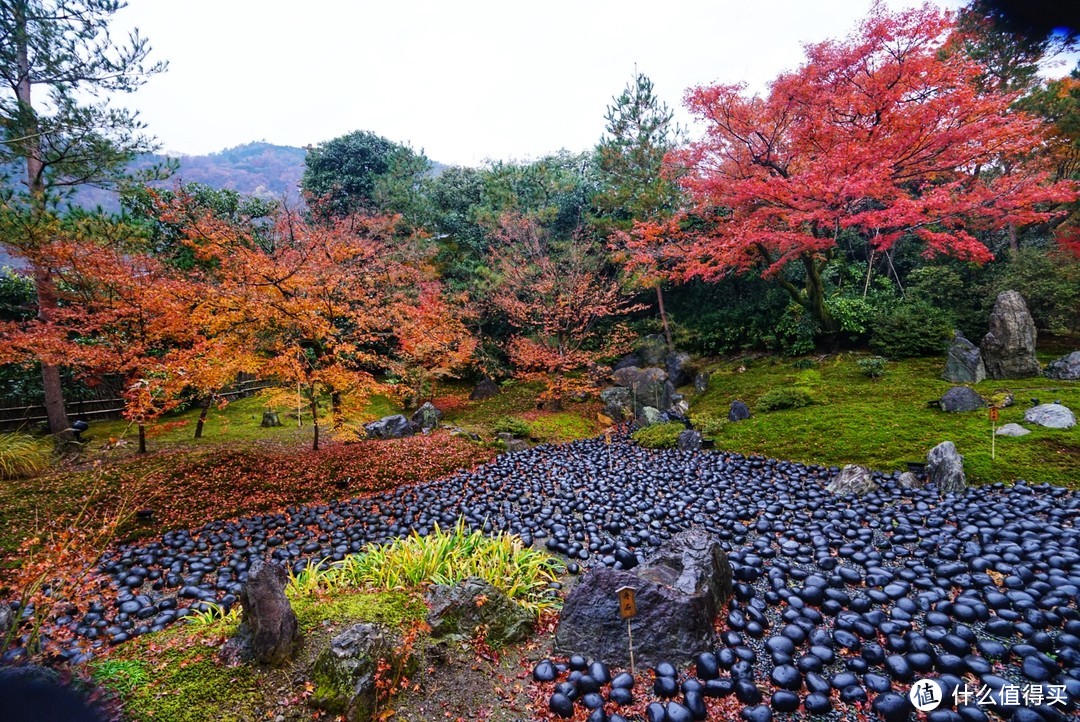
{"x": 319, "y": 304}
{"x": 433, "y": 340}
{"x": 885, "y": 133}
{"x": 119, "y": 312}
{"x": 555, "y": 294}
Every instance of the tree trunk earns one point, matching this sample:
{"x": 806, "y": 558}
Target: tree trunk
{"x": 315, "y": 420}
{"x": 1014, "y": 240}
{"x": 663, "y": 317}
{"x": 35, "y": 183}
{"x": 336, "y": 417}
{"x": 202, "y": 416}
{"x": 142, "y": 439}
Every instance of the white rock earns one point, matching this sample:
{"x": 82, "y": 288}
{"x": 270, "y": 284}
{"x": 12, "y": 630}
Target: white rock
{"x": 1012, "y": 430}
{"x": 1052, "y": 416}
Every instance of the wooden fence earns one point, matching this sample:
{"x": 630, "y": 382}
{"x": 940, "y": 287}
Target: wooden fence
{"x": 26, "y": 418}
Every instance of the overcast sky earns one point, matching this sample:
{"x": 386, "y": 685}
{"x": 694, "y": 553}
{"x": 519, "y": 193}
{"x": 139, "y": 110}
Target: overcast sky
{"x": 464, "y": 81}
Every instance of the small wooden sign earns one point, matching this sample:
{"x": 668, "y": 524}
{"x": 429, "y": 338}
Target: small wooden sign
{"x": 627, "y": 606}
{"x": 993, "y": 414}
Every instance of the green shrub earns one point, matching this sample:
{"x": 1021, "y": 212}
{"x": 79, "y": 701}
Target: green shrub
{"x": 22, "y": 455}
{"x": 784, "y": 397}
{"x": 512, "y": 425}
{"x": 910, "y": 329}
{"x": 873, "y": 367}
{"x": 708, "y": 424}
{"x": 659, "y": 436}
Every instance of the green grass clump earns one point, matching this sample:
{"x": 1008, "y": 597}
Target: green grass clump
{"x": 122, "y": 675}
{"x": 784, "y": 397}
{"x": 884, "y": 424}
{"x": 512, "y": 425}
{"x": 22, "y": 456}
{"x": 659, "y": 436}
{"x": 447, "y": 557}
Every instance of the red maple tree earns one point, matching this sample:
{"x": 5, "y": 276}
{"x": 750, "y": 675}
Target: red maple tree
{"x": 885, "y": 133}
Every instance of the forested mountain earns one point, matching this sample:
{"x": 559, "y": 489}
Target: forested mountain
{"x": 260, "y": 169}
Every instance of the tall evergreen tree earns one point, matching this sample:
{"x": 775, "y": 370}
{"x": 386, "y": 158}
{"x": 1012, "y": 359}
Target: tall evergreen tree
{"x": 58, "y": 63}
{"x": 640, "y": 132}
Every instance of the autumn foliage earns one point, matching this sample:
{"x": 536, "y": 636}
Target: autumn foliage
{"x": 885, "y": 134}
{"x": 555, "y": 295}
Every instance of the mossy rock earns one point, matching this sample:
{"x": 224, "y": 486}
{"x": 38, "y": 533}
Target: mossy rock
{"x": 346, "y": 673}
{"x": 474, "y": 606}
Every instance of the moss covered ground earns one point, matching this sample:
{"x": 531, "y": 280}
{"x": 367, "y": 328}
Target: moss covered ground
{"x": 884, "y": 423}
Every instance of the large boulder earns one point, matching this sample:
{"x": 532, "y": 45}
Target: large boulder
{"x": 852, "y": 480}
{"x": 1008, "y": 349}
{"x": 427, "y": 417}
{"x": 945, "y": 468}
{"x": 626, "y": 361}
{"x": 1066, "y": 368}
{"x": 390, "y": 427}
{"x": 618, "y": 403}
{"x": 1052, "y": 416}
{"x": 486, "y": 389}
{"x": 345, "y": 674}
{"x": 648, "y": 387}
{"x": 960, "y": 399}
{"x": 460, "y": 611}
{"x": 964, "y": 362}
{"x": 268, "y": 631}
{"x": 679, "y": 368}
{"x": 678, "y": 593}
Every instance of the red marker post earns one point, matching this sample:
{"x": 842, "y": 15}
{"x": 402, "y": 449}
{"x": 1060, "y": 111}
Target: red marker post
{"x": 628, "y": 610}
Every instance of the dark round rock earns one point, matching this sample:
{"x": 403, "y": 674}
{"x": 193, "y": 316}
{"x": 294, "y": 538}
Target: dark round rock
{"x": 677, "y": 712}
{"x": 891, "y": 707}
{"x": 544, "y": 671}
{"x": 784, "y": 701}
{"x": 592, "y": 700}
{"x": 561, "y": 705}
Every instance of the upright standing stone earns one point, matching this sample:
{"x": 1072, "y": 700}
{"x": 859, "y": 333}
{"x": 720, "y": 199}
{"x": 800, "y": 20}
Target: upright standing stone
{"x": 268, "y": 629}
{"x": 427, "y": 417}
{"x": 945, "y": 468}
{"x": 964, "y": 362}
{"x": 1008, "y": 349}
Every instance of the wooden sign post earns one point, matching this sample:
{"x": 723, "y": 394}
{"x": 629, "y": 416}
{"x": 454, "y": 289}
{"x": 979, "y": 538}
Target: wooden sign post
{"x": 628, "y": 610}
{"x": 993, "y": 432}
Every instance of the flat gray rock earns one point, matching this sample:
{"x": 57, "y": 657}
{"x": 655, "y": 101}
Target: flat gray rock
{"x": 1052, "y": 416}
{"x": 961, "y": 399}
{"x": 1012, "y": 430}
